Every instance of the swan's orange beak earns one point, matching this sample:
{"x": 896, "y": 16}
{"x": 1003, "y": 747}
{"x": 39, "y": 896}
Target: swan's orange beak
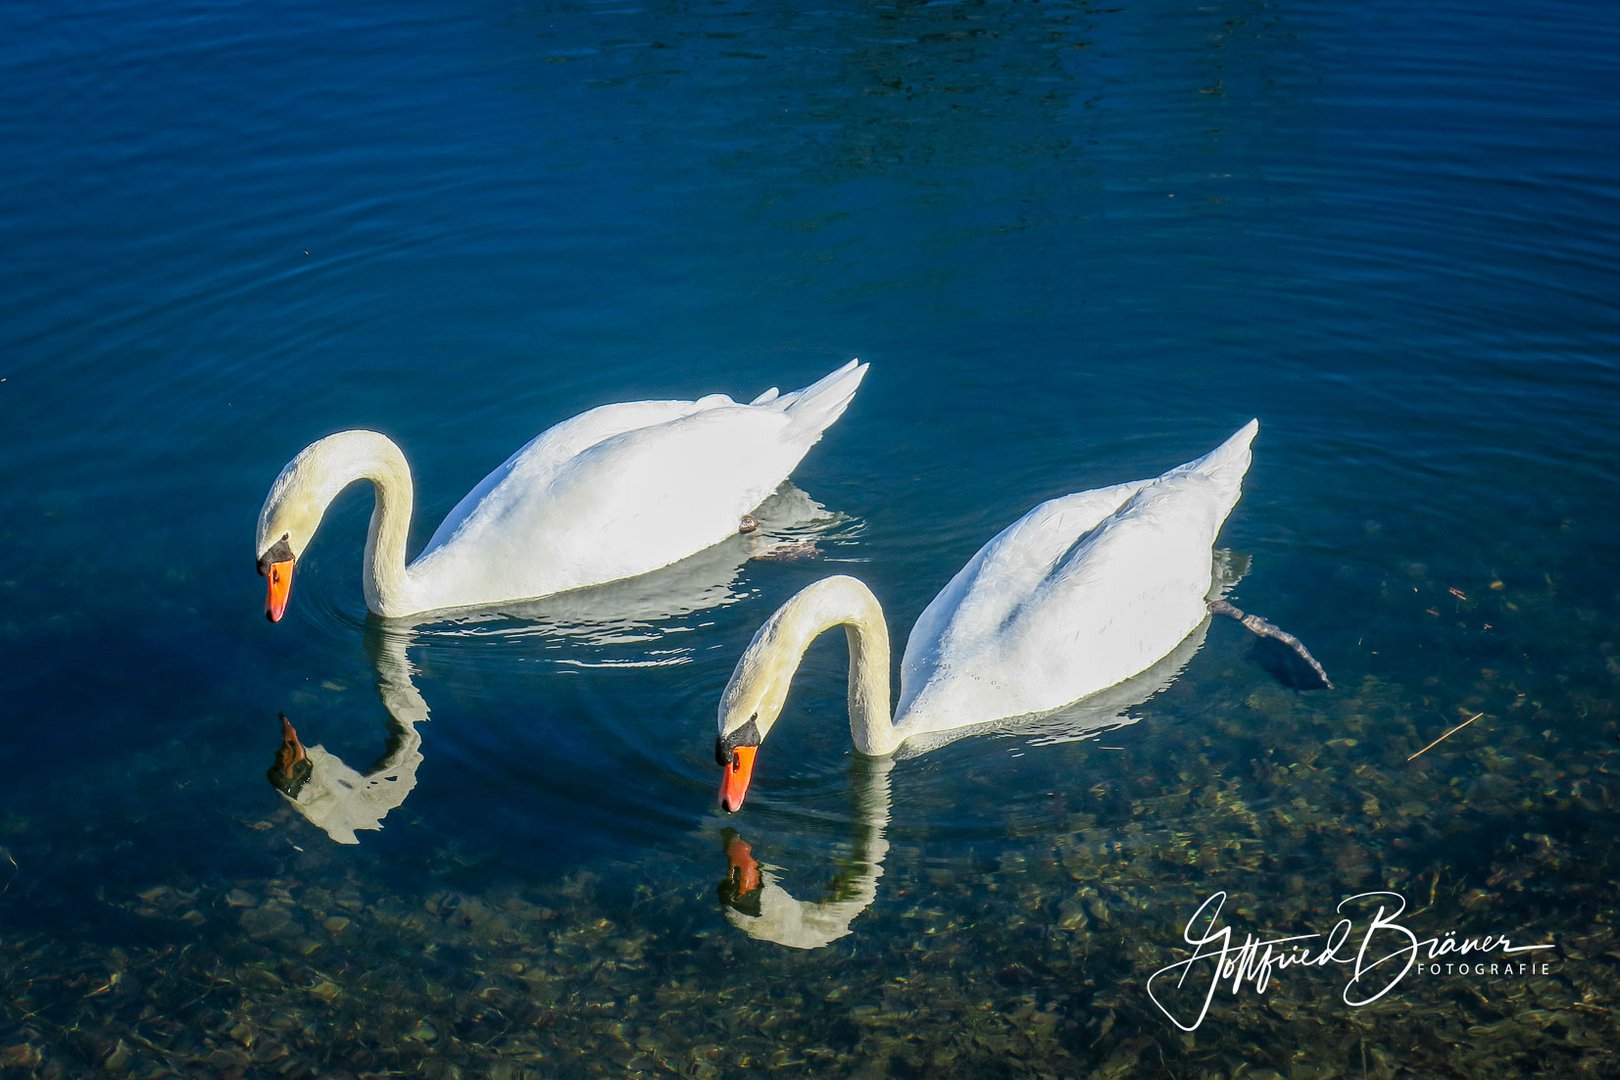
{"x": 738, "y": 772}
{"x": 280, "y": 578}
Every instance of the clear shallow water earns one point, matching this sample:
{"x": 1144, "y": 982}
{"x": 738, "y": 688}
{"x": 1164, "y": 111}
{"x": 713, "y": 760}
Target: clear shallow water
{"x": 1078, "y": 245}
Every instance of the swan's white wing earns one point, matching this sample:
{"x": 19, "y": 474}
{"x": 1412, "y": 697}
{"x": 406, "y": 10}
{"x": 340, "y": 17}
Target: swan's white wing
{"x": 553, "y": 448}
{"x": 1105, "y": 711}
{"x": 973, "y": 608}
{"x": 533, "y": 465}
{"x": 1078, "y": 595}
{"x": 573, "y": 509}
{"x": 1132, "y": 589}
{"x": 650, "y": 497}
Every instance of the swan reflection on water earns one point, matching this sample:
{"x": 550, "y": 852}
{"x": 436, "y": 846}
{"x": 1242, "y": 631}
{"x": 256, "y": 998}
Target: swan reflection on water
{"x": 756, "y": 903}
{"x": 332, "y": 795}
{"x": 341, "y": 800}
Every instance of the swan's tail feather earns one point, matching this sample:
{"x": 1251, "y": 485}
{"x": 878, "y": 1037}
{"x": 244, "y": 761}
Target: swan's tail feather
{"x": 1228, "y": 462}
{"x": 815, "y": 408}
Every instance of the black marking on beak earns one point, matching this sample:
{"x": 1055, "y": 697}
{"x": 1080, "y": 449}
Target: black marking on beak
{"x": 747, "y": 735}
{"x": 280, "y": 551}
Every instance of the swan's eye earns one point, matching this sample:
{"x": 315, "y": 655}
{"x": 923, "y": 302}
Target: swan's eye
{"x": 754, "y": 719}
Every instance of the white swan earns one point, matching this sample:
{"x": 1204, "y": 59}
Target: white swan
{"x": 1079, "y": 594}
{"x": 615, "y": 492}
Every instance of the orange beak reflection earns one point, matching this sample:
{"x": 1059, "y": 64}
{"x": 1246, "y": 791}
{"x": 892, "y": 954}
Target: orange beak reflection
{"x": 738, "y": 772}
{"x": 292, "y": 751}
{"x": 280, "y": 577}
{"x": 742, "y": 872}
{"x": 292, "y": 768}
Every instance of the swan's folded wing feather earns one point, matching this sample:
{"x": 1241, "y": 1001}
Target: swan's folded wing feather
{"x": 719, "y": 454}
{"x": 806, "y": 412}
{"x": 1132, "y": 587}
{"x": 1127, "y": 593}
{"x": 838, "y": 377}
{"x": 538, "y": 460}
{"x": 634, "y": 502}
{"x": 620, "y": 491}
{"x": 973, "y": 608}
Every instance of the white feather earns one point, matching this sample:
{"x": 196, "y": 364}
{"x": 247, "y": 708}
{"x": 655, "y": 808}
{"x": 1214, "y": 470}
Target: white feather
{"x": 1077, "y": 595}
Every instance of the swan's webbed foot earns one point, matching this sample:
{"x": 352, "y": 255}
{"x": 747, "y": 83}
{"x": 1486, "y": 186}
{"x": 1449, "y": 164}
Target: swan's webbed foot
{"x": 1268, "y": 630}
{"x": 748, "y": 524}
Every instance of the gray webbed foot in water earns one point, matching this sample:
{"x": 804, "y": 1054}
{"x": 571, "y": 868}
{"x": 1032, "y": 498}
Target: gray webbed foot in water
{"x": 1268, "y": 630}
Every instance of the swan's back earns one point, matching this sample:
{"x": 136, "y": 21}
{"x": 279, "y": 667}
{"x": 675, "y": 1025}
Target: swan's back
{"x": 1079, "y": 594}
{"x": 622, "y": 490}
{"x": 535, "y": 463}
{"x": 779, "y": 426}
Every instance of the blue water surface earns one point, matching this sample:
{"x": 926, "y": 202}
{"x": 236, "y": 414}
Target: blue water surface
{"x": 1078, "y": 245}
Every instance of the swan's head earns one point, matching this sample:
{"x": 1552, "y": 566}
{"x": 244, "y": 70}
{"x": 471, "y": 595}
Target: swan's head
{"x": 297, "y": 502}
{"x": 759, "y": 686}
{"x": 751, "y": 705}
{"x": 286, "y": 523}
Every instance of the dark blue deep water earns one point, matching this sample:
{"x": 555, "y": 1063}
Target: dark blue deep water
{"x": 1078, "y": 244}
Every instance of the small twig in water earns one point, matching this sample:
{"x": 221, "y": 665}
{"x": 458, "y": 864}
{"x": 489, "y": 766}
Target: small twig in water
{"x": 1447, "y": 735}
{"x": 1265, "y": 629}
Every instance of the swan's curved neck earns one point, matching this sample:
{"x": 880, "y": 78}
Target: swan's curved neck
{"x": 385, "y": 575}
{"x": 844, "y": 601}
{"x": 338, "y": 461}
